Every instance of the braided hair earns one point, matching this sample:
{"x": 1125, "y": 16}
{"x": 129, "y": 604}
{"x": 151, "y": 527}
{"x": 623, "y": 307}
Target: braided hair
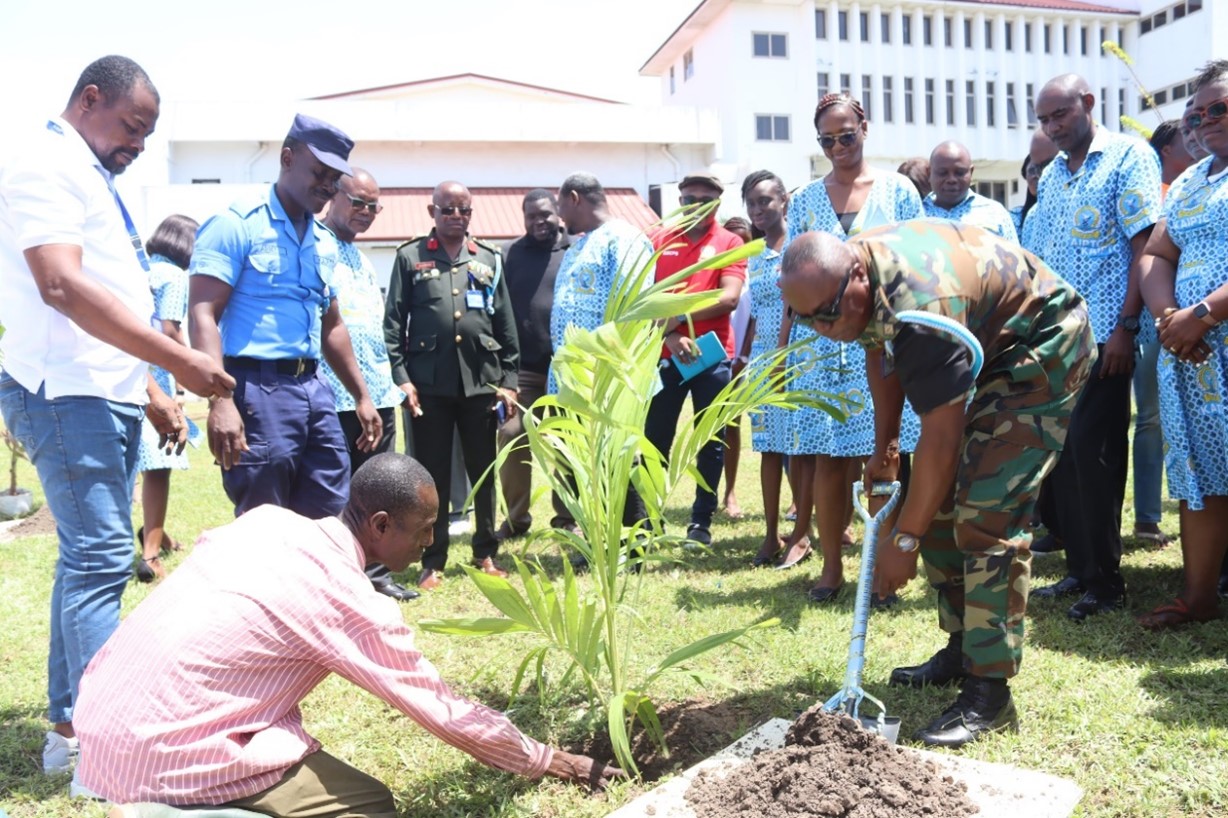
{"x": 831, "y": 100}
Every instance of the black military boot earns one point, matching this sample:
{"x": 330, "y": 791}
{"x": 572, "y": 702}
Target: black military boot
{"x": 983, "y": 706}
{"x": 943, "y": 668}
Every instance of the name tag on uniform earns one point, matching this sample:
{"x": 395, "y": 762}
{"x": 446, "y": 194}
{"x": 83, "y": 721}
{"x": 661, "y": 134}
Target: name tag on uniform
{"x": 475, "y": 299}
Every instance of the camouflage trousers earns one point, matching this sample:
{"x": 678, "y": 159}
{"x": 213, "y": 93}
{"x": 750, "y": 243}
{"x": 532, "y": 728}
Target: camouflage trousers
{"x": 977, "y": 550}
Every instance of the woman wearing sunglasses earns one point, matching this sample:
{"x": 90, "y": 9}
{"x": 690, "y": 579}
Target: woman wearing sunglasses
{"x": 1185, "y": 284}
{"x": 851, "y": 198}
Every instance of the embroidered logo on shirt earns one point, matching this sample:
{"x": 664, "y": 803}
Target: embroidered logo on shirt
{"x": 1086, "y": 223}
{"x": 1131, "y": 207}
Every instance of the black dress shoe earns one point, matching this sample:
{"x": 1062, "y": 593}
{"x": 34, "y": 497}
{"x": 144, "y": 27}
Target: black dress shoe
{"x": 943, "y": 668}
{"x": 983, "y": 706}
{"x": 389, "y": 587}
{"x": 1047, "y": 544}
{"x": 699, "y": 532}
{"x": 880, "y": 602}
{"x": 1067, "y": 586}
{"x": 1095, "y": 602}
{"x": 824, "y": 595}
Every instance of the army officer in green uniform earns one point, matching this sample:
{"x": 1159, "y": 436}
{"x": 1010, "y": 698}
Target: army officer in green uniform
{"x": 452, "y": 342}
{"x": 987, "y": 439}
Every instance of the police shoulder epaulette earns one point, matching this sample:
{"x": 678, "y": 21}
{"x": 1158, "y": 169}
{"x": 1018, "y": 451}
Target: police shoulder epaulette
{"x": 249, "y": 204}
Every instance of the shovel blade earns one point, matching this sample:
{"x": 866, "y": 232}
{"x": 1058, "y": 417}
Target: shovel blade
{"x": 888, "y": 727}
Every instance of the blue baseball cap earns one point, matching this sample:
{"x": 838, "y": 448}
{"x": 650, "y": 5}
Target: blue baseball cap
{"x": 330, "y": 145}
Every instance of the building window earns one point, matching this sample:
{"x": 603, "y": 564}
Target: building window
{"x": 1048, "y": 38}
{"x": 884, "y": 24}
{"x": 688, "y": 64}
{"x": 888, "y": 102}
{"x": 771, "y": 128}
{"x": 865, "y": 26}
{"x": 824, "y": 84}
{"x": 206, "y": 181}
{"x": 1161, "y": 97}
{"x": 672, "y": 80}
{"x": 1160, "y": 19}
{"x": 1179, "y": 91}
{"x": 866, "y": 79}
{"x": 1027, "y": 37}
{"x": 990, "y": 120}
{"x": 820, "y": 24}
{"x": 1104, "y": 107}
{"x": 906, "y": 29}
{"x": 769, "y": 45}
{"x": 1008, "y": 34}
{"x": 993, "y": 190}
{"x": 927, "y": 30}
{"x": 1065, "y": 39}
{"x": 842, "y": 26}
{"x": 1012, "y": 113}
{"x": 970, "y": 102}
{"x": 950, "y": 102}
{"x": 948, "y": 34}
{"x": 989, "y": 35}
{"x": 1083, "y": 40}
{"x": 846, "y": 84}
{"x": 967, "y": 33}
{"x": 1030, "y": 93}
{"x": 929, "y": 102}
{"x": 1193, "y": 5}
{"x": 1121, "y": 101}
{"x": 908, "y": 114}
{"x": 1144, "y": 27}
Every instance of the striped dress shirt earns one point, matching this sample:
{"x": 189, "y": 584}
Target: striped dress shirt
{"x": 195, "y": 699}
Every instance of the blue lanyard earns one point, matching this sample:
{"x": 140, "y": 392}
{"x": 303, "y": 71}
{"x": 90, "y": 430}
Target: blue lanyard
{"x": 135, "y": 238}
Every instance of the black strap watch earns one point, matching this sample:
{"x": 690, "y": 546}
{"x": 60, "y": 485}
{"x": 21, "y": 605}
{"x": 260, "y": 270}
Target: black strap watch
{"x": 1129, "y": 323}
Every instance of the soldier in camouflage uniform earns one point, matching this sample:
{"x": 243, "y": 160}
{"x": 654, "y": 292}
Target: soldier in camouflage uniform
{"x": 986, "y": 442}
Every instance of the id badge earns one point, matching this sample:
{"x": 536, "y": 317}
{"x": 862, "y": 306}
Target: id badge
{"x": 475, "y": 299}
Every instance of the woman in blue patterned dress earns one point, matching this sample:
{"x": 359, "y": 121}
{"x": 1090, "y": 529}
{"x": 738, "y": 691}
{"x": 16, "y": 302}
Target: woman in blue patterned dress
{"x": 766, "y": 202}
{"x": 170, "y": 252}
{"x": 1185, "y": 283}
{"x": 851, "y": 198}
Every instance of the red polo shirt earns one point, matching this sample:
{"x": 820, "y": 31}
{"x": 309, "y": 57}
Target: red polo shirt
{"x": 680, "y": 252}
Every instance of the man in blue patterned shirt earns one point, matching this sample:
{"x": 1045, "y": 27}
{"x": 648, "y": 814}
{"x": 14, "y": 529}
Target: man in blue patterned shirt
{"x": 953, "y": 199}
{"x": 1098, "y": 201}
{"x": 351, "y": 212}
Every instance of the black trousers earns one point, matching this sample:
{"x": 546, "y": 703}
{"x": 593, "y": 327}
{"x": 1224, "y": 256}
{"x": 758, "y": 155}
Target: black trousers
{"x": 1082, "y": 498}
{"x": 351, "y": 427}
{"x": 433, "y": 433}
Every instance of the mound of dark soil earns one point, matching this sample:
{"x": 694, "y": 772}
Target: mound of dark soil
{"x": 38, "y": 523}
{"x": 831, "y": 767}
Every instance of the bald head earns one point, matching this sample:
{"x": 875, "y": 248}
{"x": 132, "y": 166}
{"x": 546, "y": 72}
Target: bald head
{"x": 446, "y": 189}
{"x": 353, "y": 207}
{"x": 1067, "y": 86}
{"x": 1064, "y": 109}
{"x": 825, "y": 283}
{"x": 451, "y": 207}
{"x": 813, "y": 257}
{"x": 950, "y": 173}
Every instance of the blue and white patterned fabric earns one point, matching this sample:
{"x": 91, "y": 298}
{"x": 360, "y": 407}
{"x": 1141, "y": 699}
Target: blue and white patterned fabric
{"x": 1084, "y": 221}
{"x": 169, "y": 284}
{"x": 840, "y": 368}
{"x": 592, "y": 269}
{"x": 976, "y": 210}
{"x": 770, "y": 426}
{"x": 1192, "y": 397}
{"x": 362, "y": 311}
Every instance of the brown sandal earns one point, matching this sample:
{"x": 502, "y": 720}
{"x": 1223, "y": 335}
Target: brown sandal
{"x": 1173, "y": 615}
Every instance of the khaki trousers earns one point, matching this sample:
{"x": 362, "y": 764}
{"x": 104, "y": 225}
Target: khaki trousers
{"x": 320, "y": 786}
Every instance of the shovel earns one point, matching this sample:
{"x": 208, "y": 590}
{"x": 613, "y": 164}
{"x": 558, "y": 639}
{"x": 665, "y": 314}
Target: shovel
{"x": 851, "y": 697}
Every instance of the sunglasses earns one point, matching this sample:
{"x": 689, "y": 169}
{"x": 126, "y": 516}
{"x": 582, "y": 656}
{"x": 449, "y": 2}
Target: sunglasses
{"x": 1034, "y": 171}
{"x": 1195, "y": 118}
{"x": 694, "y": 200}
{"x": 827, "y": 141}
{"x": 452, "y": 210}
{"x": 829, "y": 314}
{"x": 363, "y": 204}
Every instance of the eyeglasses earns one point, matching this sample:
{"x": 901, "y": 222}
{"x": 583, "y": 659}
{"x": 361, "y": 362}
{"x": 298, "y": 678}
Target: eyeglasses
{"x": 702, "y": 200}
{"x": 451, "y": 210}
{"x": 827, "y": 141}
{"x": 363, "y": 204}
{"x": 1035, "y": 171}
{"x": 829, "y": 314}
{"x": 1195, "y": 118}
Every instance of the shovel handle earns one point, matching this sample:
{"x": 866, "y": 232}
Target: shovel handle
{"x": 878, "y": 489}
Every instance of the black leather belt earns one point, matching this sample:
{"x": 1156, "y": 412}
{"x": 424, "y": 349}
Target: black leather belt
{"x": 295, "y": 367}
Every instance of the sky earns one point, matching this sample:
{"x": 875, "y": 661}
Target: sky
{"x": 255, "y": 49}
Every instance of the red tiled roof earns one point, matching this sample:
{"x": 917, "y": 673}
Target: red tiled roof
{"x": 497, "y": 212}
{"x": 1056, "y": 5}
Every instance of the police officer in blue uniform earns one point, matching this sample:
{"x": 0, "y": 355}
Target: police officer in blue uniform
{"x": 261, "y": 303}
{"x": 452, "y": 342}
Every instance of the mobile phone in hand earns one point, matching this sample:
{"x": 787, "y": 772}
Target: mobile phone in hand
{"x": 500, "y": 412}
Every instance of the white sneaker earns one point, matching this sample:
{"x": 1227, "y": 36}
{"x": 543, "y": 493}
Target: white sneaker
{"x": 458, "y": 528}
{"x": 59, "y": 754}
{"x": 78, "y": 790}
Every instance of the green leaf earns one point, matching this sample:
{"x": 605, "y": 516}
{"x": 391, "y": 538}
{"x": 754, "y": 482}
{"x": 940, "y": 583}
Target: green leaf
{"x": 473, "y": 626}
{"x": 708, "y": 643}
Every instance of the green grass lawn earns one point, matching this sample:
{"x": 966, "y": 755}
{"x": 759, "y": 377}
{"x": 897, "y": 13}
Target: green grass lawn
{"x": 1137, "y": 719}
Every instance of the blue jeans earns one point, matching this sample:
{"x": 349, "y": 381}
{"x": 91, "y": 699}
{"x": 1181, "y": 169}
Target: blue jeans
{"x": 1148, "y": 438}
{"x": 662, "y": 424}
{"x": 85, "y": 452}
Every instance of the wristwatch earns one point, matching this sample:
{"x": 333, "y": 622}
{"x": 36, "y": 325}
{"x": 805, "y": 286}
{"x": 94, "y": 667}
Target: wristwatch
{"x": 907, "y": 542}
{"x": 1202, "y": 311}
{"x": 1129, "y": 323}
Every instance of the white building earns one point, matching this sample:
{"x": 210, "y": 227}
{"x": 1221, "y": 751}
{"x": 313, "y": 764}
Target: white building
{"x": 501, "y": 138}
{"x": 924, "y": 71}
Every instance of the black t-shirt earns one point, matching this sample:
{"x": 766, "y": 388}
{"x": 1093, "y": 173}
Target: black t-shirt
{"x": 530, "y": 269}
{"x": 933, "y": 369}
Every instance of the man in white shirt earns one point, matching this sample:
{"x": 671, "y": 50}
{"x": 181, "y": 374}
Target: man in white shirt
{"x": 77, "y": 313}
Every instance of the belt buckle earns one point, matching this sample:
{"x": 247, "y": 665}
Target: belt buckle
{"x": 300, "y": 366}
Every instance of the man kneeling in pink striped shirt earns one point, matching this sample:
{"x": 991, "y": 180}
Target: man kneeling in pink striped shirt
{"x": 194, "y": 701}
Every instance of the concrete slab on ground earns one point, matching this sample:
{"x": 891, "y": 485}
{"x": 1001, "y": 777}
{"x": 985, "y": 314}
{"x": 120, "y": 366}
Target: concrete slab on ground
{"x": 1000, "y": 790}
